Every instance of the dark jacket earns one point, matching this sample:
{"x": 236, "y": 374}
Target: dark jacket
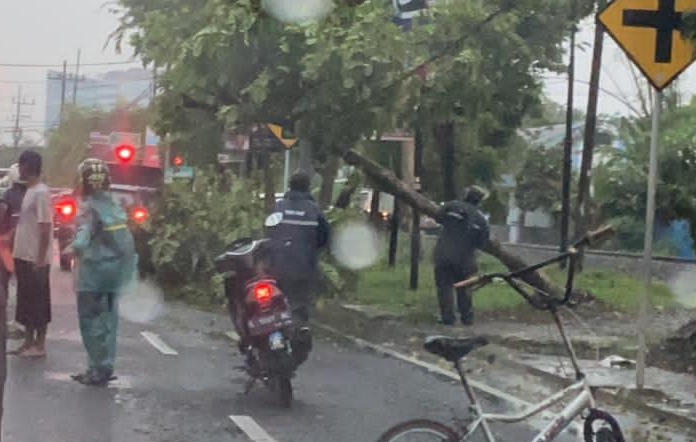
{"x": 13, "y": 199}
{"x": 465, "y": 230}
{"x": 298, "y": 232}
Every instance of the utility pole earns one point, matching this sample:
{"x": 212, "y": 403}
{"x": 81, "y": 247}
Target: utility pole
{"x": 154, "y": 81}
{"x": 582, "y": 205}
{"x": 63, "y": 85}
{"x": 77, "y": 77}
{"x": 415, "y": 227}
{"x": 643, "y": 319}
{"x": 17, "y": 134}
{"x": 19, "y": 102}
{"x": 568, "y": 149}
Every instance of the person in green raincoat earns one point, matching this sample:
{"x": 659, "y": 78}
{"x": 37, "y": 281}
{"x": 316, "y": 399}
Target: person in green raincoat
{"x": 106, "y": 262}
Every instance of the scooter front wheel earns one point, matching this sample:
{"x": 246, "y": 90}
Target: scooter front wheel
{"x": 283, "y": 388}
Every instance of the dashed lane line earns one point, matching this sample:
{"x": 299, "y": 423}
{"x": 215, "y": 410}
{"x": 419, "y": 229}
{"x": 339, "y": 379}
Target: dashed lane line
{"x": 159, "y": 343}
{"x": 252, "y": 429}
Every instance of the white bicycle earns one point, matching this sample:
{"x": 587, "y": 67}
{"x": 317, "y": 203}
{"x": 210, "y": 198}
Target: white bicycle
{"x": 599, "y": 426}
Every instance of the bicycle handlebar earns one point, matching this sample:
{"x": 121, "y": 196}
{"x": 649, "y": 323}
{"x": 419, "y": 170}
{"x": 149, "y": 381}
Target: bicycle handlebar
{"x": 474, "y": 280}
{"x": 593, "y": 238}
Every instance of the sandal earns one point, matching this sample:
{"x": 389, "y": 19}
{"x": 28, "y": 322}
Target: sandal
{"x": 94, "y": 379}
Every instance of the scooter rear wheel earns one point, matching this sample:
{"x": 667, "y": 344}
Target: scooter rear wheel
{"x": 283, "y": 388}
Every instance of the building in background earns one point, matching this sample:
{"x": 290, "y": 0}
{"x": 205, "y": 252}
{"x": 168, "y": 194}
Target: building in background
{"x": 103, "y": 91}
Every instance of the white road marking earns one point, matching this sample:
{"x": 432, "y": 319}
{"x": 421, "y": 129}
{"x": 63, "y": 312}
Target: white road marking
{"x": 539, "y": 422}
{"x": 159, "y": 344}
{"x": 251, "y": 429}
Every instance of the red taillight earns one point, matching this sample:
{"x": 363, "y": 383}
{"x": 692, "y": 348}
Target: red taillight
{"x": 125, "y": 152}
{"x": 139, "y": 214}
{"x": 66, "y": 209}
{"x": 263, "y": 292}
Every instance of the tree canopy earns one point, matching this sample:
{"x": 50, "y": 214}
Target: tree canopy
{"x": 351, "y": 74}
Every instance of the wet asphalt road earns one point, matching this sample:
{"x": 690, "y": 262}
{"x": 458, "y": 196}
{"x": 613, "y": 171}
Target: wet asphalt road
{"x": 342, "y": 395}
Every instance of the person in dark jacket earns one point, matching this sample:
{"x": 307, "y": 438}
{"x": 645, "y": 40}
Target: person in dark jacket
{"x": 465, "y": 229}
{"x": 10, "y": 205}
{"x": 298, "y": 230}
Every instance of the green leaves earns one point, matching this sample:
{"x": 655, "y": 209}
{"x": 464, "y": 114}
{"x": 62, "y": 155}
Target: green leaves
{"x": 621, "y": 179}
{"x": 194, "y": 224}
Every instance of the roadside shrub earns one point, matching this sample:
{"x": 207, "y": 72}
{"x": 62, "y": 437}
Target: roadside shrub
{"x": 193, "y": 224}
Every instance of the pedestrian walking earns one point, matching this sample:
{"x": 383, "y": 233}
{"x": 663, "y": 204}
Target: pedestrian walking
{"x": 32, "y": 257}
{"x": 465, "y": 229}
{"x": 106, "y": 262}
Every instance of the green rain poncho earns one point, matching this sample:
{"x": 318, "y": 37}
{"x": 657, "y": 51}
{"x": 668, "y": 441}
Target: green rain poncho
{"x": 106, "y": 262}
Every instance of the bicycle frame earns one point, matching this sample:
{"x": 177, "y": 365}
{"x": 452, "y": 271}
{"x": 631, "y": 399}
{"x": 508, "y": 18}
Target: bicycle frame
{"x": 583, "y": 400}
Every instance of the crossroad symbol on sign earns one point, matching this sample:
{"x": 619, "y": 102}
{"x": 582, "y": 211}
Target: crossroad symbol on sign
{"x": 649, "y": 32}
{"x": 665, "y": 20}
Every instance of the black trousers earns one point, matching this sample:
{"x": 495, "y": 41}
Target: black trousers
{"x": 33, "y": 294}
{"x": 446, "y": 274}
{"x": 300, "y": 294}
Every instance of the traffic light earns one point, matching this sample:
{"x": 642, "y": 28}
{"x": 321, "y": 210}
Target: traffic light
{"x": 125, "y": 153}
{"x": 177, "y": 161}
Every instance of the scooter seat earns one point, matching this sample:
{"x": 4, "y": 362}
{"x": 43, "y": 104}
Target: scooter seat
{"x": 453, "y": 349}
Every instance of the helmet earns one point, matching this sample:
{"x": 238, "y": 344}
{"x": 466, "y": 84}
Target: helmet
{"x": 93, "y": 176}
{"x": 475, "y": 194}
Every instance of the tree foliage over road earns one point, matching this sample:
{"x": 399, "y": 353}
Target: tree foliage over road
{"x": 467, "y": 72}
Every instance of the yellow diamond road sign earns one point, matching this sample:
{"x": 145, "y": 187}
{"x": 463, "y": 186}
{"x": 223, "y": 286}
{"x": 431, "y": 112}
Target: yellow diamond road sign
{"x": 287, "y": 140}
{"x": 648, "y": 31}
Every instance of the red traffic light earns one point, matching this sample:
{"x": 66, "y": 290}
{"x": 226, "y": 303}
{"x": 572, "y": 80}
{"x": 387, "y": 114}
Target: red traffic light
{"x": 125, "y": 152}
{"x": 140, "y": 215}
{"x": 178, "y": 161}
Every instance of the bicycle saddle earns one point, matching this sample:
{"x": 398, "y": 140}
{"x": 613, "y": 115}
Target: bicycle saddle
{"x": 453, "y": 349}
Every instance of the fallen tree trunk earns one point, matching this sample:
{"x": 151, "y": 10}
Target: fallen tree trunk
{"x": 387, "y": 181}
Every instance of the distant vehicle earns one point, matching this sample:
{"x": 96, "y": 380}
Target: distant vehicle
{"x": 65, "y": 207}
{"x": 137, "y": 201}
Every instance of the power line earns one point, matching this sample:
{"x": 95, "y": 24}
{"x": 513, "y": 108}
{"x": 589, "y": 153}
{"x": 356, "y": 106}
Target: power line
{"x": 38, "y": 65}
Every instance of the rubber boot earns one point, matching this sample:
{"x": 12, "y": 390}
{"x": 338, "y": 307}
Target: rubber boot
{"x": 464, "y": 304}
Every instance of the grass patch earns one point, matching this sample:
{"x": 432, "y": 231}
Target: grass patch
{"x": 388, "y": 288}
{"x": 620, "y": 290}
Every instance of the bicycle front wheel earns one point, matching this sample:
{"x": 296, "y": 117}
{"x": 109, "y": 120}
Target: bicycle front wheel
{"x": 420, "y": 431}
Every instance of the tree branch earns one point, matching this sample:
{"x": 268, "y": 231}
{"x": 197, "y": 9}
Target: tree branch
{"x": 386, "y": 180}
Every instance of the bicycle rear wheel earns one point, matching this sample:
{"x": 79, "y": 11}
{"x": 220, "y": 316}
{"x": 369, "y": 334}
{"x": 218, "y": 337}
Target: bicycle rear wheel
{"x": 421, "y": 430}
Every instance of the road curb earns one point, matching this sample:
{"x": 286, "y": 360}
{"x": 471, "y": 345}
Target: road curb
{"x": 615, "y": 399}
{"x": 574, "y": 428}
{"x": 602, "y": 394}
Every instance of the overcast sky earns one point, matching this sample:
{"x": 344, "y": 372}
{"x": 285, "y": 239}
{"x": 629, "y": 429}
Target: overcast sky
{"x": 50, "y": 31}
